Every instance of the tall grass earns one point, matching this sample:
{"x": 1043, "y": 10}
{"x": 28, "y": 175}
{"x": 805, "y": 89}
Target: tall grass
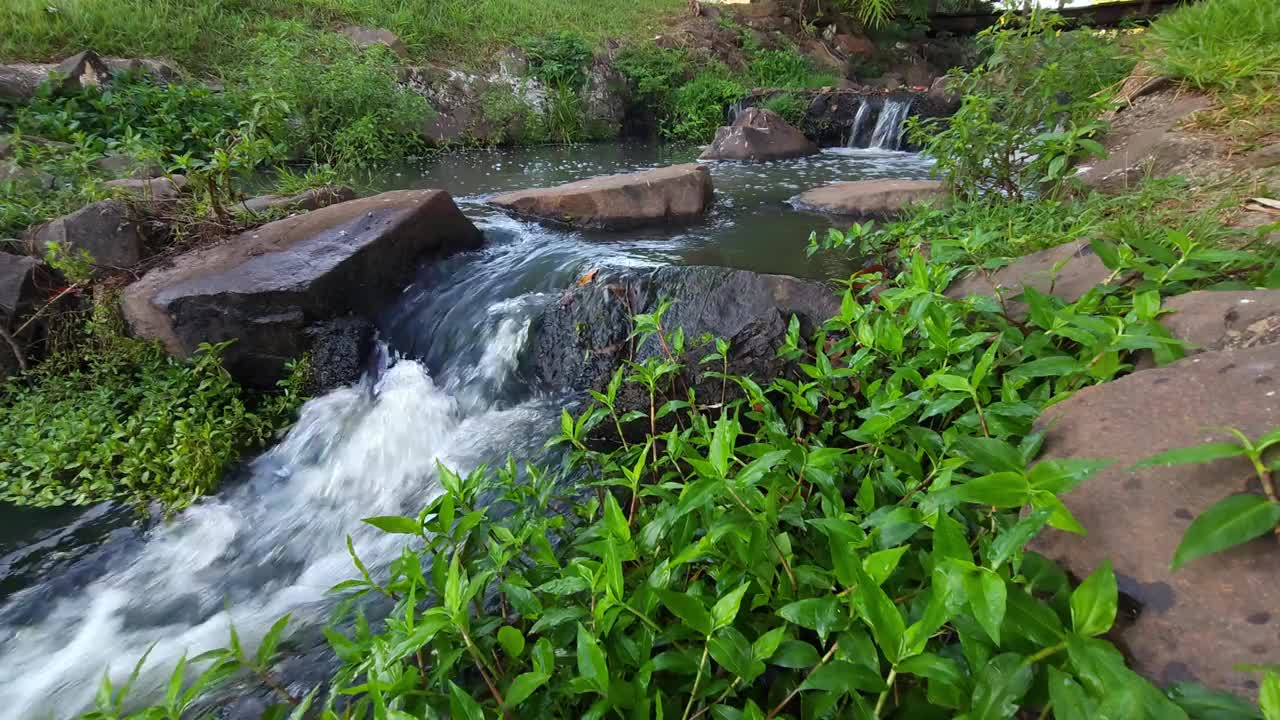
{"x": 1220, "y": 45}
{"x": 209, "y": 37}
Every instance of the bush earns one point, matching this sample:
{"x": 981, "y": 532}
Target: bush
{"x": 700, "y": 106}
{"x": 787, "y": 69}
{"x": 792, "y": 108}
{"x": 1028, "y": 111}
{"x": 653, "y": 73}
{"x": 117, "y": 418}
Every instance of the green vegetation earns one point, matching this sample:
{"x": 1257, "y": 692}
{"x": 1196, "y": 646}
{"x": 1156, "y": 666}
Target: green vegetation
{"x": 787, "y": 69}
{"x": 109, "y": 417}
{"x": 791, "y": 107}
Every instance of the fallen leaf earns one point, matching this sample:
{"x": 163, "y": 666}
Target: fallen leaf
{"x": 590, "y": 276}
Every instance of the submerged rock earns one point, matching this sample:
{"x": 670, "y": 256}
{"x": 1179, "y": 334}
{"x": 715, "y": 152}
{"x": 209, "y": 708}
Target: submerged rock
{"x": 759, "y": 135}
{"x": 1201, "y": 621}
{"x": 269, "y": 288}
{"x": 105, "y": 230}
{"x": 870, "y": 198}
{"x": 581, "y": 338}
{"x": 614, "y": 202}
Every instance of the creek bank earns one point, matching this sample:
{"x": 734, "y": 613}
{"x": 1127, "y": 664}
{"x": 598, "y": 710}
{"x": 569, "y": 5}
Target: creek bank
{"x": 270, "y": 288}
{"x": 674, "y": 194}
{"x": 583, "y": 337}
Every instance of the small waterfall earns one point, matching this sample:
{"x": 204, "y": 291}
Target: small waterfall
{"x": 737, "y": 109}
{"x": 859, "y": 119}
{"x": 887, "y": 134}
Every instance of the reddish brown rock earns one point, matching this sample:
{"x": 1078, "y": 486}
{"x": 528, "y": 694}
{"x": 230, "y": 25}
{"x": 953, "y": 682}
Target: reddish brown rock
{"x": 759, "y": 135}
{"x": 870, "y": 198}
{"x": 269, "y": 288}
{"x": 613, "y": 202}
{"x": 1198, "y": 623}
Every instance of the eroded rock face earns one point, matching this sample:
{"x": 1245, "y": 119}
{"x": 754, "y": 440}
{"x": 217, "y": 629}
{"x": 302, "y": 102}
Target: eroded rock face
{"x": 1067, "y": 271}
{"x": 105, "y": 230}
{"x": 870, "y": 198}
{"x": 614, "y": 202}
{"x": 581, "y": 338}
{"x": 759, "y": 135}
{"x": 270, "y": 287}
{"x": 1146, "y": 140}
{"x": 1199, "y": 622}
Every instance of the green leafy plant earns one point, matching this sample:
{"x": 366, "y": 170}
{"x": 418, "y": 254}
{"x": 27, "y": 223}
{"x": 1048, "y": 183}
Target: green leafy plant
{"x": 653, "y": 73}
{"x": 1236, "y": 519}
{"x": 792, "y": 108}
{"x": 787, "y": 69}
{"x": 700, "y": 106}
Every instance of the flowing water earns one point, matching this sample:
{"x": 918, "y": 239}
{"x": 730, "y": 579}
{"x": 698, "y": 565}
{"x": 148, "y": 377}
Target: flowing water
{"x": 887, "y": 134}
{"x": 84, "y": 590}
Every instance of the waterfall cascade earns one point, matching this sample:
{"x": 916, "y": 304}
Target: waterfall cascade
{"x": 887, "y": 132}
{"x": 859, "y": 119}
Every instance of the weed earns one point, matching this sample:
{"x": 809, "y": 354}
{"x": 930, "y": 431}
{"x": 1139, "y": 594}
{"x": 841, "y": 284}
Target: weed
{"x": 792, "y": 108}
{"x": 700, "y": 106}
{"x": 787, "y": 69}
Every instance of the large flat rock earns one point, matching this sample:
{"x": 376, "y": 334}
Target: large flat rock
{"x": 759, "y": 135}
{"x": 1198, "y": 623}
{"x": 870, "y": 198}
{"x": 678, "y": 193}
{"x": 267, "y": 288}
{"x": 1066, "y": 271}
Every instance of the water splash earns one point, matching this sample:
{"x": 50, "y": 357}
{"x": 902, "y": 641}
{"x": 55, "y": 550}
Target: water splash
{"x": 887, "y": 134}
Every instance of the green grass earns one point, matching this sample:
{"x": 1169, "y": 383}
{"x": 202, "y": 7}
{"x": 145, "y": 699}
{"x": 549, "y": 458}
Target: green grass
{"x": 210, "y": 37}
{"x": 1226, "y": 45}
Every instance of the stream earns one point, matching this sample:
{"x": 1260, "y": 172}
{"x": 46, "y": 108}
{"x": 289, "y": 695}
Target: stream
{"x": 82, "y": 590}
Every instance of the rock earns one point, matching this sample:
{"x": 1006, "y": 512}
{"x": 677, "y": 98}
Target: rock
{"x": 9, "y": 144}
{"x": 854, "y": 44}
{"x": 365, "y": 37}
{"x": 82, "y": 70}
{"x": 870, "y": 198}
{"x": 1199, "y": 622}
{"x": 103, "y": 229}
{"x": 832, "y": 111}
{"x": 16, "y": 275}
{"x": 759, "y": 135}
{"x": 337, "y": 353}
{"x": 160, "y": 190}
{"x": 582, "y": 337}
{"x": 158, "y": 71}
{"x": 614, "y": 202}
{"x": 312, "y": 199}
{"x": 1224, "y": 319}
{"x": 1147, "y": 140}
{"x": 10, "y": 170}
{"x": 1078, "y": 270}
{"x": 1264, "y": 157}
{"x": 122, "y": 165}
{"x": 268, "y": 288}
{"x": 941, "y": 88}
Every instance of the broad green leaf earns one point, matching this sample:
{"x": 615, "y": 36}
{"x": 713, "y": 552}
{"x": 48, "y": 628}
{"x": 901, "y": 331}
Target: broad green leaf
{"x": 948, "y": 685}
{"x": 1233, "y": 521}
{"x": 1002, "y": 490}
{"x": 524, "y": 686}
{"x": 949, "y": 542}
{"x": 1207, "y": 452}
{"x": 1013, "y": 540}
{"x": 1269, "y": 696}
{"x": 1069, "y": 699}
{"x": 395, "y": 524}
{"x": 880, "y": 565}
{"x": 767, "y": 644}
{"x": 1094, "y": 602}
{"x": 726, "y": 608}
{"x": 991, "y": 454}
{"x": 795, "y": 654}
{"x": 954, "y": 383}
{"x": 819, "y": 614}
{"x": 1001, "y": 684}
{"x": 592, "y": 666}
{"x": 882, "y": 616}
{"x": 462, "y": 706}
{"x": 840, "y": 676}
{"x": 615, "y": 519}
{"x": 987, "y": 598}
{"x": 267, "y": 650}
{"x": 511, "y": 640}
{"x": 1056, "y": 366}
{"x": 689, "y": 609}
{"x": 1201, "y": 703}
{"x": 731, "y": 651}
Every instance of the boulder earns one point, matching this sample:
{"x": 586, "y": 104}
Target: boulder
{"x": 614, "y": 202}
{"x": 268, "y": 288}
{"x": 581, "y": 338}
{"x": 1199, "y": 622}
{"x": 759, "y": 135}
{"x": 19, "y": 82}
{"x": 11, "y": 170}
{"x": 1223, "y": 319}
{"x": 122, "y": 165}
{"x": 158, "y": 71}
{"x": 870, "y": 198}
{"x": 159, "y": 190}
{"x": 10, "y": 143}
{"x": 854, "y": 44}
{"x": 16, "y": 275}
{"x": 365, "y": 37}
{"x": 312, "y": 199}
{"x": 103, "y": 229}
{"x": 1067, "y": 271}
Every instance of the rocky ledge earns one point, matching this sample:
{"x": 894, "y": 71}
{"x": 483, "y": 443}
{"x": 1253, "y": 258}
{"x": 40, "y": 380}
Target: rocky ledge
{"x": 617, "y": 202}
{"x": 870, "y": 198}
{"x": 275, "y": 289}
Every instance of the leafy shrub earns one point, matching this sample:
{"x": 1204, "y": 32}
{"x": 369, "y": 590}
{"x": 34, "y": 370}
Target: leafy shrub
{"x": 1028, "y": 111}
{"x": 787, "y": 69}
{"x": 653, "y": 73}
{"x": 700, "y": 106}
{"x": 793, "y": 109}
{"x": 558, "y": 59}
{"x": 119, "y": 419}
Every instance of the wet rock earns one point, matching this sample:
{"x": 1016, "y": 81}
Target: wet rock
{"x": 759, "y": 135}
{"x": 103, "y": 229}
{"x": 614, "y": 202}
{"x": 1067, "y": 271}
{"x": 870, "y": 198}
{"x": 1199, "y": 622}
{"x": 831, "y": 111}
{"x": 158, "y": 190}
{"x": 1223, "y": 319}
{"x": 312, "y": 199}
{"x": 582, "y": 337}
{"x": 16, "y": 275}
{"x": 365, "y": 37}
{"x": 337, "y": 352}
{"x": 270, "y": 286}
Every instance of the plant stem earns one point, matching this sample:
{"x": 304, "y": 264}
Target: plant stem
{"x": 796, "y": 690}
{"x": 706, "y": 649}
{"x": 884, "y": 696}
{"x": 1046, "y": 653}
